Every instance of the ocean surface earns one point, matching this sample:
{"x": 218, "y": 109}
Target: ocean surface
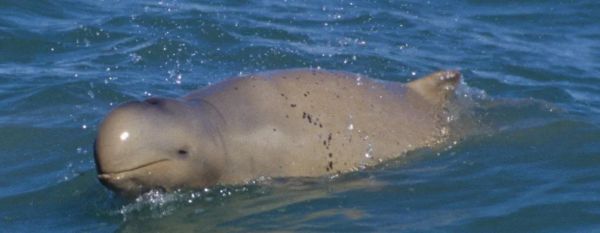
{"x": 531, "y": 72}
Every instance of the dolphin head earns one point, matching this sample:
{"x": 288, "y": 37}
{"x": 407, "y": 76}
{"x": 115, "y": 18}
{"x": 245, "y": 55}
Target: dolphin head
{"x": 159, "y": 144}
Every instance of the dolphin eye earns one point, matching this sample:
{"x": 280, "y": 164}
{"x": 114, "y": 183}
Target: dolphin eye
{"x": 182, "y": 153}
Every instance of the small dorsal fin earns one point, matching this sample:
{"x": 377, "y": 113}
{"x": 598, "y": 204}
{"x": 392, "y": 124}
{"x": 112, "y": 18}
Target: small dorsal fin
{"x": 436, "y": 87}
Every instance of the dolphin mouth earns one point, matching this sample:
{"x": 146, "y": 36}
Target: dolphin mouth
{"x": 117, "y": 175}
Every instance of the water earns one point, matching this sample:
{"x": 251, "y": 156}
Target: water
{"x": 533, "y": 68}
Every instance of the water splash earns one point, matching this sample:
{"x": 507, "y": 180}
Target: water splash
{"x": 369, "y": 152}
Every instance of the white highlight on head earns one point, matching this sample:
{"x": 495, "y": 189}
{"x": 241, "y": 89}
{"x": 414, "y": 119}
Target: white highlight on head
{"x": 124, "y": 136}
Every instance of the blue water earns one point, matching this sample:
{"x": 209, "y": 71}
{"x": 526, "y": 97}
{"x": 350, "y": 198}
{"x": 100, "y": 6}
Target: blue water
{"x": 531, "y": 68}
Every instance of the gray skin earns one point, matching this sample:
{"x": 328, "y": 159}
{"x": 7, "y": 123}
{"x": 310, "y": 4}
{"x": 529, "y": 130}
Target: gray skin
{"x": 288, "y": 123}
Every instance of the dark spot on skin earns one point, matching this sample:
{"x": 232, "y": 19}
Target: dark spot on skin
{"x": 330, "y": 155}
{"x": 305, "y": 95}
{"x": 337, "y": 96}
{"x": 235, "y": 88}
{"x": 287, "y": 116}
{"x": 320, "y": 125}
{"x": 326, "y": 168}
{"x": 293, "y": 105}
{"x": 309, "y": 118}
{"x": 274, "y": 130}
{"x": 303, "y": 115}
{"x": 284, "y": 77}
{"x": 327, "y": 142}
{"x": 330, "y": 165}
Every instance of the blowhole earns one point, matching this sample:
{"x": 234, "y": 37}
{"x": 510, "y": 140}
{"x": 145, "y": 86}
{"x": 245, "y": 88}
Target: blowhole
{"x": 153, "y": 101}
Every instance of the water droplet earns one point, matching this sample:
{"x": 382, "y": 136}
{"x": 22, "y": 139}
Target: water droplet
{"x": 124, "y": 136}
{"x": 369, "y": 153}
{"x": 358, "y": 80}
{"x": 444, "y": 131}
{"x": 135, "y": 58}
